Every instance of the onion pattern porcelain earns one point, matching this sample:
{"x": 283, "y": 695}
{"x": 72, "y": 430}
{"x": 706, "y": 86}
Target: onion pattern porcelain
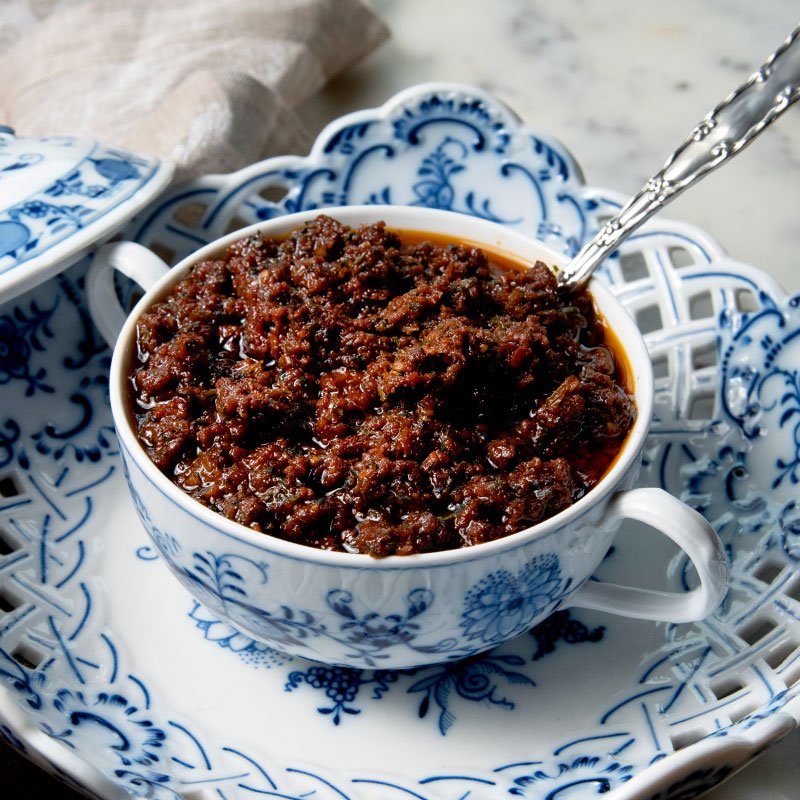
{"x": 59, "y": 196}
{"x": 113, "y": 679}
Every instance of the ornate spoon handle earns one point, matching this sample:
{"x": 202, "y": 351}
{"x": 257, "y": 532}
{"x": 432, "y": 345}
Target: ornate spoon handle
{"x": 724, "y": 131}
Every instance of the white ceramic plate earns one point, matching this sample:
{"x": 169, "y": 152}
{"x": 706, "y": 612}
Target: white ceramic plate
{"x": 115, "y": 680}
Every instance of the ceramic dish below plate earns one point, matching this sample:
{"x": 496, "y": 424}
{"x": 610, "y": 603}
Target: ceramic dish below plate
{"x": 115, "y": 680}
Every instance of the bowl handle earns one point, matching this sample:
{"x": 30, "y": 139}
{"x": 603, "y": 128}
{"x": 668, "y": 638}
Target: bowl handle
{"x": 131, "y": 259}
{"x": 692, "y": 533}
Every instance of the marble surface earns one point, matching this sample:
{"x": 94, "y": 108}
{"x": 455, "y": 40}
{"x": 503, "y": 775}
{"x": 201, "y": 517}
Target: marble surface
{"x": 621, "y": 84}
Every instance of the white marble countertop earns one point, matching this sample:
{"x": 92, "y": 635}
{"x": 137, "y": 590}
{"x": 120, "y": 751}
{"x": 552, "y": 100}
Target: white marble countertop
{"x": 620, "y": 84}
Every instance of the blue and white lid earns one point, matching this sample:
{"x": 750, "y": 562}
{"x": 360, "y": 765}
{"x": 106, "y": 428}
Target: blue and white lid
{"x": 60, "y": 196}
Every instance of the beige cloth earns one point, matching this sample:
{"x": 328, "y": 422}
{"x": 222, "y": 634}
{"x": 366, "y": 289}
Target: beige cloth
{"x": 209, "y": 84}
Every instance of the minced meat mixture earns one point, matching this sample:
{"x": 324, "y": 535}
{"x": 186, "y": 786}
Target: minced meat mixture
{"x": 349, "y": 390}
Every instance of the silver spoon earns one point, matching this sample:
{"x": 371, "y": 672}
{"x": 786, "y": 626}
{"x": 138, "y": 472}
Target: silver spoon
{"x": 724, "y": 131}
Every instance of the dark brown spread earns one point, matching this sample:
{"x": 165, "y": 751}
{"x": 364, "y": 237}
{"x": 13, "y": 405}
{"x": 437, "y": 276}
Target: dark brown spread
{"x": 352, "y": 390}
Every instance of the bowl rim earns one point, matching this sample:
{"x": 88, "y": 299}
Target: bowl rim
{"x": 495, "y": 237}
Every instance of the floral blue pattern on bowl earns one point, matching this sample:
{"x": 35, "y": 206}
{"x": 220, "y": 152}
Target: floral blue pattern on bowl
{"x": 110, "y": 676}
{"x": 59, "y": 196}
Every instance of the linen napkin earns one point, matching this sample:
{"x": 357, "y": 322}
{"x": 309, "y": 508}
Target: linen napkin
{"x": 210, "y": 85}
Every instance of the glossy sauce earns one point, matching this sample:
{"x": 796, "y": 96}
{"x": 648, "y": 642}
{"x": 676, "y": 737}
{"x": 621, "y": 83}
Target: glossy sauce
{"x": 378, "y": 392}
